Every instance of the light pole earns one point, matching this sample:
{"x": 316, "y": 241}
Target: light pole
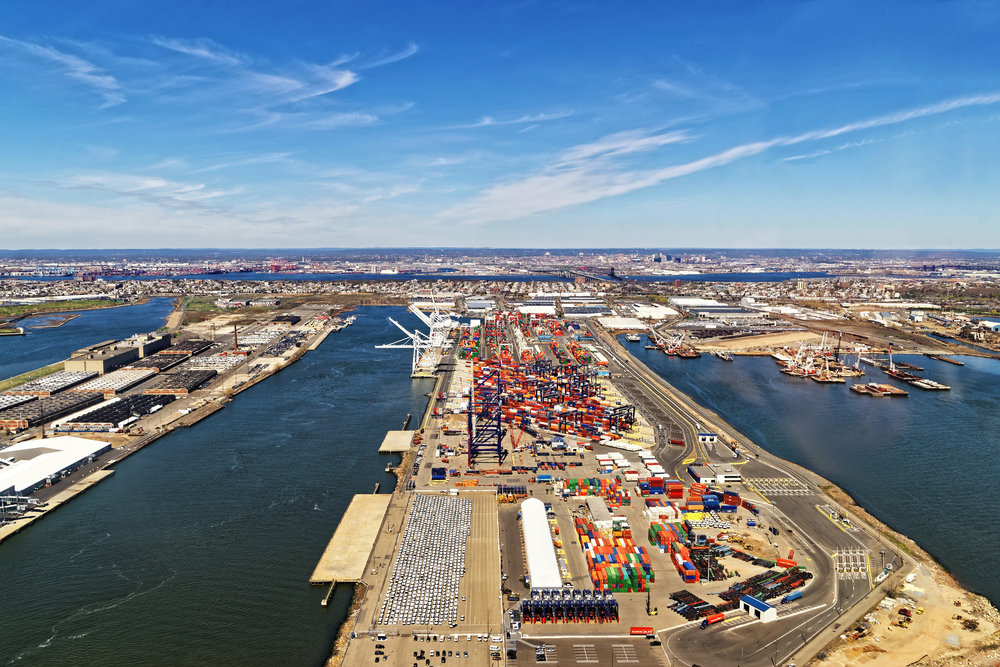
{"x": 882, "y": 552}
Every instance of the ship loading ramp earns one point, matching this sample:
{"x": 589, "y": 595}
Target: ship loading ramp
{"x": 347, "y": 553}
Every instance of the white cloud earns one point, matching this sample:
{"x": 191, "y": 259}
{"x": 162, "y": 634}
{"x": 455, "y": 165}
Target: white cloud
{"x": 411, "y": 49}
{"x": 75, "y": 68}
{"x": 487, "y": 121}
{"x": 203, "y": 48}
{"x": 589, "y": 172}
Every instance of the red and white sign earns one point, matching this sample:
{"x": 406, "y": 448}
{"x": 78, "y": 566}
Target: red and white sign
{"x": 641, "y": 631}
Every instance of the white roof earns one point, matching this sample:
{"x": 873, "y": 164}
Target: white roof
{"x": 35, "y": 460}
{"x": 539, "y": 552}
{"x": 537, "y": 310}
{"x": 691, "y": 301}
{"x": 621, "y": 323}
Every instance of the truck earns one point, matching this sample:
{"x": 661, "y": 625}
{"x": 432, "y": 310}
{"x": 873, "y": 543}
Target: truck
{"x": 791, "y": 596}
{"x": 709, "y": 620}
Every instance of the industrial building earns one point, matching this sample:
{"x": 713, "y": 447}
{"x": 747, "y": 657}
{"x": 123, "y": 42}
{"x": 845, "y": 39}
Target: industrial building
{"x": 543, "y": 570}
{"x": 180, "y": 384}
{"x": 599, "y": 513}
{"x": 101, "y": 360}
{"x": 11, "y": 401}
{"x": 46, "y": 408}
{"x": 115, "y": 382}
{"x": 726, "y": 313}
{"x": 148, "y": 344}
{"x": 156, "y": 363}
{"x": 762, "y": 610}
{"x": 188, "y": 347}
{"x": 715, "y": 473}
{"x": 652, "y": 311}
{"x": 621, "y": 324}
{"x": 31, "y": 465}
{"x": 51, "y": 384}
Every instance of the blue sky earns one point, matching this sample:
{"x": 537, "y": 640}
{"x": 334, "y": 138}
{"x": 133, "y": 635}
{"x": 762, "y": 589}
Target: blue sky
{"x": 509, "y": 124}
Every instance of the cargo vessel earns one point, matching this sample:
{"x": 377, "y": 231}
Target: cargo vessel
{"x": 878, "y": 390}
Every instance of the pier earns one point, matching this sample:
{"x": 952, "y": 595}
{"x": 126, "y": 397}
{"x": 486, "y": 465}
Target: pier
{"x": 396, "y": 442}
{"x": 347, "y": 553}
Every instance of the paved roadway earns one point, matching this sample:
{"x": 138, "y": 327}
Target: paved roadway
{"x": 844, "y": 560}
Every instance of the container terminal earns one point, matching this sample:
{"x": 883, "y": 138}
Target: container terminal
{"x": 553, "y": 481}
{"x": 559, "y": 502}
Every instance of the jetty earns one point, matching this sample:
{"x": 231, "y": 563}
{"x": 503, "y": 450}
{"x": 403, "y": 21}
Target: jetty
{"x": 396, "y": 442}
{"x": 346, "y": 555}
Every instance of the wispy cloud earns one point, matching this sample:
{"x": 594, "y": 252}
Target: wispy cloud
{"x": 591, "y": 172}
{"x": 246, "y": 161}
{"x": 487, "y": 121}
{"x": 828, "y": 151}
{"x": 203, "y": 48}
{"x": 76, "y": 68}
{"x": 410, "y": 50}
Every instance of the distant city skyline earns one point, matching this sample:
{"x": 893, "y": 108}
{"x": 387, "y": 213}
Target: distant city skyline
{"x": 512, "y": 125}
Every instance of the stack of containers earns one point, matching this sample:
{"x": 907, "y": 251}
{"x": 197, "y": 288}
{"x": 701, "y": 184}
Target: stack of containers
{"x": 730, "y": 502}
{"x": 711, "y": 502}
{"x": 675, "y": 488}
{"x": 658, "y": 510}
{"x": 614, "y": 563}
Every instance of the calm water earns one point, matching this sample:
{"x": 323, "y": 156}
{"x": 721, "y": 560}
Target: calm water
{"x": 516, "y": 278}
{"x": 925, "y": 465}
{"x": 198, "y": 551}
{"x": 41, "y": 347}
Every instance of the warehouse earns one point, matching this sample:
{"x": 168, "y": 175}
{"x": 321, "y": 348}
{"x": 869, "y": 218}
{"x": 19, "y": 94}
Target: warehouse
{"x": 37, "y": 463}
{"x": 148, "y": 344}
{"x": 543, "y": 570}
{"x": 715, "y": 474}
{"x": 653, "y": 311}
{"x": 180, "y": 384}
{"x": 622, "y": 324}
{"x": 51, "y": 384}
{"x": 116, "y": 413}
{"x": 762, "y": 610}
{"x": 102, "y": 360}
{"x": 599, "y": 512}
{"x": 726, "y": 313}
{"x": 11, "y": 401}
{"x": 115, "y": 382}
{"x": 157, "y": 362}
{"x": 192, "y": 346}
{"x": 46, "y": 408}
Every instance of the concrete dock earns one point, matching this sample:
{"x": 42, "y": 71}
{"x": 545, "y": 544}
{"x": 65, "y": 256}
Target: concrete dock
{"x": 347, "y": 553}
{"x": 396, "y": 441}
{"x": 56, "y": 501}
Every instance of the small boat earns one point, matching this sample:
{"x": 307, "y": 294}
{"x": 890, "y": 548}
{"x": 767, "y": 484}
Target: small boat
{"x": 722, "y": 354}
{"x": 632, "y": 338}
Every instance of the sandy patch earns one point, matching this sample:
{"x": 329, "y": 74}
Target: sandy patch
{"x": 765, "y": 340}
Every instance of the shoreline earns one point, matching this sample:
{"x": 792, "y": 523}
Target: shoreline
{"x": 140, "y": 302}
{"x": 842, "y": 499}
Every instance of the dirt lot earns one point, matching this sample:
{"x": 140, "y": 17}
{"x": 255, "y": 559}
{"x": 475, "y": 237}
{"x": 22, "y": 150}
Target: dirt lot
{"x": 934, "y": 638}
{"x": 765, "y": 340}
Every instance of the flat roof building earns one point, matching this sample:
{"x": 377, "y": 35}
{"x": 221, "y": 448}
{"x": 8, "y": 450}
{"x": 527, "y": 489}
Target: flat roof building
{"x": 543, "y": 570}
{"x": 30, "y": 465}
